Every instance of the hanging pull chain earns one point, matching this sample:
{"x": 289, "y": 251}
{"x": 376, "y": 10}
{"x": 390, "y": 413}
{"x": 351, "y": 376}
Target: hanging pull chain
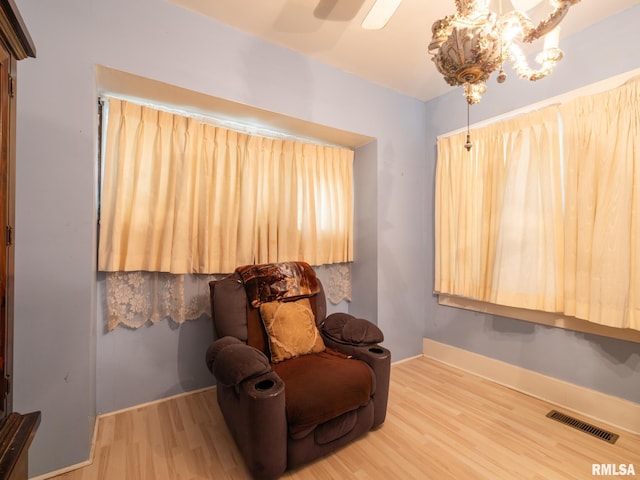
{"x": 501, "y": 75}
{"x": 468, "y": 145}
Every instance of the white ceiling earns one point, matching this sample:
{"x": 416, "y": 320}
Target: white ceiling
{"x": 395, "y": 56}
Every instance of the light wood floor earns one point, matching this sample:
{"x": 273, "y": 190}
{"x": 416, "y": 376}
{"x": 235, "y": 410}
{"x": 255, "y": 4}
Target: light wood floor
{"x": 442, "y": 423}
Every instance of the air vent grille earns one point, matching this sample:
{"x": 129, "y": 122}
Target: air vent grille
{"x": 583, "y": 426}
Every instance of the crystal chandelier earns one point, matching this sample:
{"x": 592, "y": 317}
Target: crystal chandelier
{"x": 475, "y": 42}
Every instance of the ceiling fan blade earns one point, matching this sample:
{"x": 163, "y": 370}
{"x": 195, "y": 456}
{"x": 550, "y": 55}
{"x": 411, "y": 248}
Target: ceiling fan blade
{"x": 525, "y": 5}
{"x": 380, "y": 13}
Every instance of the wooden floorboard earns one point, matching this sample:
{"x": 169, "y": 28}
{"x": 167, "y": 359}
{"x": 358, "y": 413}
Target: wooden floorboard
{"x": 442, "y": 423}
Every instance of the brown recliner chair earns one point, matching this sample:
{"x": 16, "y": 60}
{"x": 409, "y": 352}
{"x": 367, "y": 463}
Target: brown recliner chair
{"x": 292, "y": 385}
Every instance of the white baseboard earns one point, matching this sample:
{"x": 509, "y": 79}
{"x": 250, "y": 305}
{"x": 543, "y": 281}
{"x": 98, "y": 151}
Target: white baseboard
{"x": 155, "y": 402}
{"x": 62, "y": 471}
{"x": 622, "y": 414}
{"x": 396, "y": 362}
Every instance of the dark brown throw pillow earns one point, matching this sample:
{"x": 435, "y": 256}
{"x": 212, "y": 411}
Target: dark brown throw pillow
{"x": 349, "y": 329}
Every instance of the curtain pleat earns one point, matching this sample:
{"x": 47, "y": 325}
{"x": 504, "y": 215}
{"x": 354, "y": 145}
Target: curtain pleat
{"x": 529, "y": 251}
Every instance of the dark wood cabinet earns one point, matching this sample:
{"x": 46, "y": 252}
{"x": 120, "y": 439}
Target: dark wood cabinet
{"x": 6, "y": 269}
{"x": 16, "y": 430}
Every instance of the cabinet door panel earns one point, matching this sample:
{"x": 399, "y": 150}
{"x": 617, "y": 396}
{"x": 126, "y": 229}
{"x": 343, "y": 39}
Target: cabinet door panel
{"x": 6, "y": 229}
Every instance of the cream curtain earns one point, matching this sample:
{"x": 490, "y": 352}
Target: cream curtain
{"x": 182, "y": 196}
{"x": 544, "y": 212}
{"x": 498, "y": 221}
{"x": 603, "y": 206}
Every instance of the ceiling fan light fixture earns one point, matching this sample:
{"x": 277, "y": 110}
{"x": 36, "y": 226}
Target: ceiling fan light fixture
{"x": 475, "y": 42}
{"x": 380, "y": 14}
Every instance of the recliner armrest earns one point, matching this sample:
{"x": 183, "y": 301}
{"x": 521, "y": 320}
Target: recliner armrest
{"x": 232, "y": 362}
{"x": 347, "y": 329}
{"x": 216, "y": 347}
{"x": 379, "y": 359}
{"x": 256, "y": 416}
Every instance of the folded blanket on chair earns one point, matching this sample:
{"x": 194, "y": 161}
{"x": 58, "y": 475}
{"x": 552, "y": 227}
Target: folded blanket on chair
{"x": 278, "y": 281}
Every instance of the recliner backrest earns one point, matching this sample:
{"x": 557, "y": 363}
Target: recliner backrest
{"x": 234, "y": 316}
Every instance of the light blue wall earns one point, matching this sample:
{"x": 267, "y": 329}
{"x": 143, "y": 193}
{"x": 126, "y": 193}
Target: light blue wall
{"x": 62, "y": 355}
{"x": 602, "y": 364}
{"x": 364, "y": 273}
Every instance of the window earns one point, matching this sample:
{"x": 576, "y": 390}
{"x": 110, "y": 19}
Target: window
{"x": 182, "y": 196}
{"x": 542, "y": 214}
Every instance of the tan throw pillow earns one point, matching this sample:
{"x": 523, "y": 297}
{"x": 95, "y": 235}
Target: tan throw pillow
{"x": 291, "y": 329}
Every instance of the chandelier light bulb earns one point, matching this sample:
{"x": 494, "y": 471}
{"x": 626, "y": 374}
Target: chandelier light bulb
{"x": 552, "y": 39}
{"x": 510, "y": 31}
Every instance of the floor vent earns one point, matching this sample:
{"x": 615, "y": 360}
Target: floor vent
{"x": 583, "y": 426}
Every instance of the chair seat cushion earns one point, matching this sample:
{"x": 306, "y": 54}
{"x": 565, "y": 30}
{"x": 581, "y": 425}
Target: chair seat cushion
{"x": 322, "y": 386}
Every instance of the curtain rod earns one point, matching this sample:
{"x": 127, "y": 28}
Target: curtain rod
{"x": 591, "y": 89}
{"x": 229, "y": 124}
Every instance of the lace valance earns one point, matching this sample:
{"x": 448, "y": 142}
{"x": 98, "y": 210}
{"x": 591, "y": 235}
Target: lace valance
{"x": 135, "y": 298}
